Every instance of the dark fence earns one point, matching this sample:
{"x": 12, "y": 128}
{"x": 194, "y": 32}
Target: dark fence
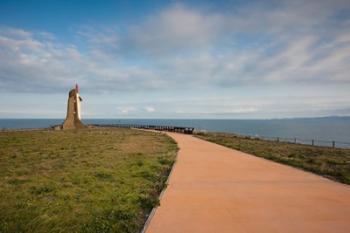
{"x": 312, "y": 142}
{"x": 178, "y": 129}
{"x": 190, "y": 130}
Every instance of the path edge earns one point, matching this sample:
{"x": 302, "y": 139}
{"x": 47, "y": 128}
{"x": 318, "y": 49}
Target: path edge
{"x": 153, "y": 211}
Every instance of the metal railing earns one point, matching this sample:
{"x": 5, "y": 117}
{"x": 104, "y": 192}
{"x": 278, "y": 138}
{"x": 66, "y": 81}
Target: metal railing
{"x": 178, "y": 129}
{"x": 311, "y": 142}
{"x": 190, "y": 130}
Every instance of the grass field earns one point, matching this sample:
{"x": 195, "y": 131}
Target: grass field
{"x": 328, "y": 162}
{"x": 94, "y": 180}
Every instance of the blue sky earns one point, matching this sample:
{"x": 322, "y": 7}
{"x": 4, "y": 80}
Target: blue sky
{"x": 175, "y": 59}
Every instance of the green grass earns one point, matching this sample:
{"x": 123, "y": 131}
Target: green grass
{"x": 93, "y": 180}
{"x": 328, "y": 162}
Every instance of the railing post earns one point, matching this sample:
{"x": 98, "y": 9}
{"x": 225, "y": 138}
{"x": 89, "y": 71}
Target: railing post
{"x": 333, "y": 144}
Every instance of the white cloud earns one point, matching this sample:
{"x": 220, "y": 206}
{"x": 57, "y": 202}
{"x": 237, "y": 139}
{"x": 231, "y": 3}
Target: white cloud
{"x": 29, "y": 63}
{"x": 126, "y": 109}
{"x": 175, "y": 28}
{"x": 149, "y": 109}
{"x": 183, "y": 48}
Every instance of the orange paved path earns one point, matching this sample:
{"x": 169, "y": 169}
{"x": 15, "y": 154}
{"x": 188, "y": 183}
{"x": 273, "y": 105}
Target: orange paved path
{"x": 216, "y": 189}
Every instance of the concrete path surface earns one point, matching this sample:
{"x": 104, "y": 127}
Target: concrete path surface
{"x": 216, "y": 189}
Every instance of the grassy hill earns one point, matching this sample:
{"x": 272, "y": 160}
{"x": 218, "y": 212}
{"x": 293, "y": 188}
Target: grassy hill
{"x": 328, "y": 162}
{"x": 94, "y": 180}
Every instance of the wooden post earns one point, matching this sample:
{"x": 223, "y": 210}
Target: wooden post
{"x": 333, "y": 144}
{"x": 295, "y": 141}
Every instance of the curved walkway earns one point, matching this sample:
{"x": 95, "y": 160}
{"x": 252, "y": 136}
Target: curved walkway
{"x": 216, "y": 189}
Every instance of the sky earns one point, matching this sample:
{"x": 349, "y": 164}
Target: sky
{"x": 225, "y": 59}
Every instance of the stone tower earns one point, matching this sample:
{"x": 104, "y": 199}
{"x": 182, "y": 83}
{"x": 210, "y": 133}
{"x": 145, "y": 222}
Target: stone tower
{"x": 73, "y": 118}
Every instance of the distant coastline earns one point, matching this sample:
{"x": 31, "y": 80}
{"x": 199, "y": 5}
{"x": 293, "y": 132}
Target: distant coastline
{"x": 321, "y": 128}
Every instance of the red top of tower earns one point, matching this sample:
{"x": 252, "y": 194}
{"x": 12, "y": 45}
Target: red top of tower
{"x": 77, "y": 87}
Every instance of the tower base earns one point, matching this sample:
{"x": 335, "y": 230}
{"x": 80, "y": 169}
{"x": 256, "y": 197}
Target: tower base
{"x": 73, "y": 124}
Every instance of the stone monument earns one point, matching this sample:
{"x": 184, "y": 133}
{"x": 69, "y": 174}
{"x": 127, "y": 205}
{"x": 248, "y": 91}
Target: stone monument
{"x": 73, "y": 118}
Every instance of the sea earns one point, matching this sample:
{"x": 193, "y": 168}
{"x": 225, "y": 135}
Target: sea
{"x": 319, "y": 131}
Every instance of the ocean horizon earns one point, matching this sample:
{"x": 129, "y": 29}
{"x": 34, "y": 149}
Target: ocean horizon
{"x": 323, "y": 130}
